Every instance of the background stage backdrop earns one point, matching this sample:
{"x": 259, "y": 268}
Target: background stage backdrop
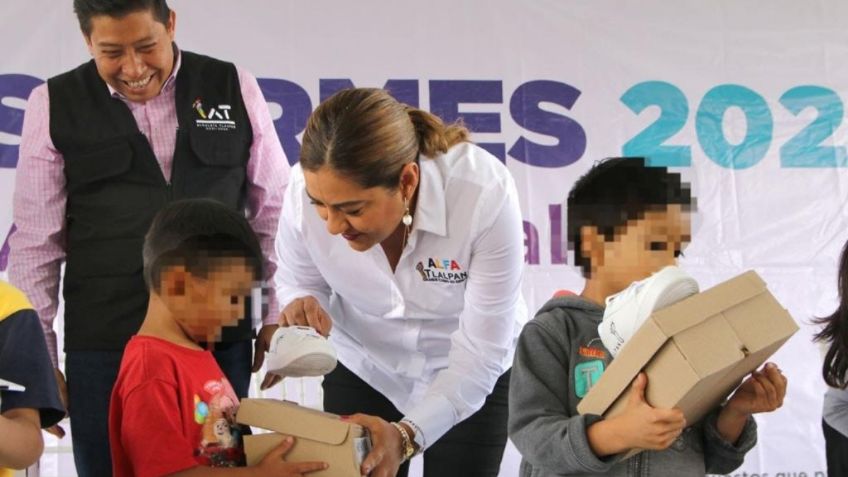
{"x": 744, "y": 99}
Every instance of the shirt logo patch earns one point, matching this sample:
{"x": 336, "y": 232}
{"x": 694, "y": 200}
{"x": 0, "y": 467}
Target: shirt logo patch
{"x": 591, "y": 352}
{"x": 215, "y": 119}
{"x": 586, "y": 374}
{"x": 441, "y": 270}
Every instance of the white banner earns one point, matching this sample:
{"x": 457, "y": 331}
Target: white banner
{"x": 744, "y": 99}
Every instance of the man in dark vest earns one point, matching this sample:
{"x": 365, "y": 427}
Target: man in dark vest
{"x": 103, "y": 148}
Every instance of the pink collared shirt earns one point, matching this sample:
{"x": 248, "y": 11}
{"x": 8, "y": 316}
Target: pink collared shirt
{"x": 38, "y": 245}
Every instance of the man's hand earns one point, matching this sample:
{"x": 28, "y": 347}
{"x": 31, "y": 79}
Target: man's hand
{"x": 56, "y": 429}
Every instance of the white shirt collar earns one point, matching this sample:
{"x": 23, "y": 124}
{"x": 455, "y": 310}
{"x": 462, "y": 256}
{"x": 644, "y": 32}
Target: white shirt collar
{"x": 431, "y": 210}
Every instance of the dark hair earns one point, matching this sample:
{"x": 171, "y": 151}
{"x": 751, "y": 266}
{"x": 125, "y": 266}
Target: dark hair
{"x": 836, "y": 331}
{"x": 615, "y": 191}
{"x": 86, "y": 9}
{"x": 368, "y": 136}
{"x": 193, "y": 233}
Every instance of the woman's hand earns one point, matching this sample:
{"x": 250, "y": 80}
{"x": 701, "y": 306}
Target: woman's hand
{"x": 307, "y": 311}
{"x": 386, "y": 446}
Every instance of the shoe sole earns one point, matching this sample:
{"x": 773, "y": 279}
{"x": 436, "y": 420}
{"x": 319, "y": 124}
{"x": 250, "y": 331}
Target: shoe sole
{"x": 308, "y": 365}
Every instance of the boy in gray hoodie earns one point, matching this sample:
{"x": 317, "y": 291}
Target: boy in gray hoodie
{"x": 625, "y": 222}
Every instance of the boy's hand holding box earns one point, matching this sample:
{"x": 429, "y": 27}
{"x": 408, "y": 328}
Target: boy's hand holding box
{"x": 319, "y": 436}
{"x": 696, "y": 352}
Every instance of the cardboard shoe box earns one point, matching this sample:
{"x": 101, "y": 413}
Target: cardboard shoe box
{"x": 319, "y": 436}
{"x": 695, "y": 352}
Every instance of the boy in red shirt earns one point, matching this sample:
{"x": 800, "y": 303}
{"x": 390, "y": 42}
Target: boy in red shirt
{"x": 172, "y": 410}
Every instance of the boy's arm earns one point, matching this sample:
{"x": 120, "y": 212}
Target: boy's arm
{"x": 638, "y": 426}
{"x": 24, "y": 360}
{"x": 22, "y": 444}
{"x": 720, "y": 455}
{"x": 730, "y": 432}
{"x": 273, "y": 465}
{"x": 201, "y": 471}
{"x": 544, "y": 428}
{"x": 145, "y": 427}
{"x": 145, "y": 430}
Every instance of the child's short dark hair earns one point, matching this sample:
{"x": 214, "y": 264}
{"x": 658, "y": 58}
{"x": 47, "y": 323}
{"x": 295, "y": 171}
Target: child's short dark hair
{"x": 192, "y": 233}
{"x": 615, "y": 191}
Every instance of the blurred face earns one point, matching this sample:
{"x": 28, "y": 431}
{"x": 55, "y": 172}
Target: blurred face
{"x": 640, "y": 248}
{"x": 207, "y": 304}
{"x": 363, "y": 217}
{"x": 133, "y": 53}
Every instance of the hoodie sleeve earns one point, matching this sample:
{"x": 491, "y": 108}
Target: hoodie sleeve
{"x": 720, "y": 456}
{"x": 545, "y": 429}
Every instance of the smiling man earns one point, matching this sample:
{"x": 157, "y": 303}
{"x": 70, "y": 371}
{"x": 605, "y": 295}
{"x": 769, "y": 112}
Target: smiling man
{"x": 104, "y": 147}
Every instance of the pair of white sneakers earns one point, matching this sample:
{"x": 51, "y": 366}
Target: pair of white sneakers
{"x": 300, "y": 351}
{"x": 628, "y": 309}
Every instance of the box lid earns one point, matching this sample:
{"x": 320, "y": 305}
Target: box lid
{"x": 291, "y": 419}
{"x": 689, "y": 312}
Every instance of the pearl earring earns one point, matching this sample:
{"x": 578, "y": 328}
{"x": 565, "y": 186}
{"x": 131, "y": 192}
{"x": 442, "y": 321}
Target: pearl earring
{"x": 407, "y": 216}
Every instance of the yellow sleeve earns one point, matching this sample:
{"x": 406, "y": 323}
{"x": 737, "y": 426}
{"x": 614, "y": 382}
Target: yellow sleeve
{"x": 12, "y": 301}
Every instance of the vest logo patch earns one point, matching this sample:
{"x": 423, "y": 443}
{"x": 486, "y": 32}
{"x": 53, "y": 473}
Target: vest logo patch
{"x": 438, "y": 270}
{"x": 215, "y": 119}
{"x": 586, "y": 374}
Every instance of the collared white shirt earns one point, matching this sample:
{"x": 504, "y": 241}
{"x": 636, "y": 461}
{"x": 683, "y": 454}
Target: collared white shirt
{"x": 435, "y": 335}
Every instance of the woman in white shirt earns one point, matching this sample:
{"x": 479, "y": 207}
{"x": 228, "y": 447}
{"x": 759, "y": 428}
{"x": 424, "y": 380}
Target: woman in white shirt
{"x": 406, "y": 241}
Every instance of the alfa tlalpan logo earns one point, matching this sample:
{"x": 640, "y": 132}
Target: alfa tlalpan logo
{"x": 445, "y": 271}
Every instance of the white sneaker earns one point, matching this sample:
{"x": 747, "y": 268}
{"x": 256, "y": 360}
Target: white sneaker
{"x": 628, "y": 309}
{"x": 299, "y": 351}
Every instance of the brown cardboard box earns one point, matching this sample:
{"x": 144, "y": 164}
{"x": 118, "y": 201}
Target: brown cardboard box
{"x": 696, "y": 351}
{"x": 319, "y": 436}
